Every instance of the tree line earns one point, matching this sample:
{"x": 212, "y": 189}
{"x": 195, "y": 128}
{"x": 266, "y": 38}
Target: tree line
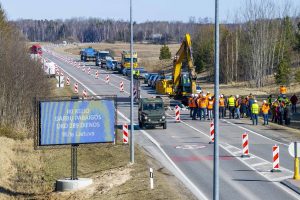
{"x": 21, "y": 79}
{"x": 98, "y": 30}
{"x": 266, "y": 44}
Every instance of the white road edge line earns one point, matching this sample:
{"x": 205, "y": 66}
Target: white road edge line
{"x": 200, "y": 193}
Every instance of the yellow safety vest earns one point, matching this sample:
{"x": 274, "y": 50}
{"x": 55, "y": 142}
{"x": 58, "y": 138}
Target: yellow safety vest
{"x": 255, "y": 108}
{"x": 231, "y": 101}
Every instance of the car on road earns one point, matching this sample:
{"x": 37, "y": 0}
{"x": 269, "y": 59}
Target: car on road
{"x": 147, "y": 76}
{"x": 151, "y": 112}
{"x": 111, "y": 64}
{"x": 151, "y": 78}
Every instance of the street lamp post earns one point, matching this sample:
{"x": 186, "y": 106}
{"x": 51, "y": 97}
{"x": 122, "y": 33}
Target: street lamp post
{"x": 131, "y": 136}
{"x": 216, "y": 119}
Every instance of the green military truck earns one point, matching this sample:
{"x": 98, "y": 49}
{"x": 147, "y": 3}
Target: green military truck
{"x": 152, "y": 112}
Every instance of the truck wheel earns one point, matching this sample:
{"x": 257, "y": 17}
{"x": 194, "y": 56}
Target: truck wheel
{"x": 165, "y": 125}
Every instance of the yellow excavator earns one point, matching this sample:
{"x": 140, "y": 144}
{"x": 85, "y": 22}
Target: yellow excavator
{"x": 183, "y": 82}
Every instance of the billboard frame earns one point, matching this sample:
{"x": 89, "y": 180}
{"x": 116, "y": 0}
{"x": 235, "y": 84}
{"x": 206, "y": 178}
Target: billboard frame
{"x": 37, "y": 123}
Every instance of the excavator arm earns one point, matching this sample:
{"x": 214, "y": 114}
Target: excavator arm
{"x": 184, "y": 53}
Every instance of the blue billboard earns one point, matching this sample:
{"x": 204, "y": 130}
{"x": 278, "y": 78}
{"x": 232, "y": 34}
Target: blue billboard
{"x": 76, "y": 122}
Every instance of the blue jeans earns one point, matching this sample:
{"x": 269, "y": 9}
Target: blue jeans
{"x": 210, "y": 114}
{"x": 254, "y": 119}
{"x": 195, "y": 112}
{"x": 238, "y": 113}
{"x": 266, "y": 119}
{"x": 202, "y": 112}
{"x": 294, "y": 108}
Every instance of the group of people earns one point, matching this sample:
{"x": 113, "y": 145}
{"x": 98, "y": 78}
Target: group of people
{"x": 202, "y": 105}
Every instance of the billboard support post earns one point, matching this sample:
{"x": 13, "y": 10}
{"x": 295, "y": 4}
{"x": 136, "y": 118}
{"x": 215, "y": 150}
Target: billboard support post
{"x": 74, "y": 161}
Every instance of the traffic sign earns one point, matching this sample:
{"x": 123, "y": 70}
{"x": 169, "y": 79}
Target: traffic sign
{"x": 292, "y": 149}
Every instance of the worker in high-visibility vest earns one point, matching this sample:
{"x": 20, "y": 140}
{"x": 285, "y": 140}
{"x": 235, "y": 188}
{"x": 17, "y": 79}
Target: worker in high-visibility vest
{"x": 202, "y": 102}
{"x": 265, "y": 111}
{"x": 255, "y": 112}
{"x": 192, "y": 104}
{"x": 231, "y": 106}
{"x": 238, "y": 102}
{"x": 221, "y": 106}
{"x": 210, "y": 107}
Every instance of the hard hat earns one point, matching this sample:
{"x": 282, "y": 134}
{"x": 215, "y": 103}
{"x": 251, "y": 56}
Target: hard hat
{"x": 265, "y": 101}
{"x": 192, "y": 95}
{"x": 255, "y": 101}
{"x": 222, "y": 95}
{"x": 237, "y": 96}
{"x": 204, "y": 95}
{"x": 207, "y": 92}
{"x": 209, "y": 98}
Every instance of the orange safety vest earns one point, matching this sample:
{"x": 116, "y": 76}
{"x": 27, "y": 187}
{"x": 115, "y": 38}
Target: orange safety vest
{"x": 222, "y": 102}
{"x": 210, "y": 104}
{"x": 265, "y": 108}
{"x": 282, "y": 90}
{"x": 190, "y": 101}
{"x": 202, "y": 102}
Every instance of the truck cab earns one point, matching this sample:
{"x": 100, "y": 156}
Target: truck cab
{"x": 151, "y": 112}
{"x": 101, "y": 57}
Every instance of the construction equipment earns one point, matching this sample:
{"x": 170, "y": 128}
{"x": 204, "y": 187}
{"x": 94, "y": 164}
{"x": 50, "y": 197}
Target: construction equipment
{"x": 183, "y": 82}
{"x": 126, "y": 58}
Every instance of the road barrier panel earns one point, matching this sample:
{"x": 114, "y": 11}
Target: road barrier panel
{"x": 89, "y": 70}
{"x": 97, "y": 74}
{"x": 83, "y": 68}
{"x": 121, "y": 86}
{"x": 212, "y": 133}
{"x": 84, "y": 94}
{"x": 68, "y": 81}
{"x": 76, "y": 88}
{"x": 151, "y": 179}
{"x": 107, "y": 79}
{"x": 177, "y": 113}
{"x": 275, "y": 149}
{"x": 125, "y": 134}
{"x": 245, "y": 145}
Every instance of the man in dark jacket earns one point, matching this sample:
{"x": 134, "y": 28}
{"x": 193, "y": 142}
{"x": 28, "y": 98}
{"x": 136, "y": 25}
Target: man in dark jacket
{"x": 294, "y": 101}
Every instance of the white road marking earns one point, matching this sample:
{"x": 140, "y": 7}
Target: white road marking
{"x": 200, "y": 194}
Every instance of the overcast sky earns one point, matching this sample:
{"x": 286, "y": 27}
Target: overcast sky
{"x": 143, "y": 10}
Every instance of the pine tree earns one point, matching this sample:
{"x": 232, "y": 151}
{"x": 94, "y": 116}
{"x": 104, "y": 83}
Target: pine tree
{"x": 282, "y": 76}
{"x": 164, "y": 53}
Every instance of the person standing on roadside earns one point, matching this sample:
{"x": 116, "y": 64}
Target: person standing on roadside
{"x": 270, "y": 100}
{"x": 231, "y": 106}
{"x": 196, "y": 109}
{"x": 191, "y": 104}
{"x": 265, "y": 111}
{"x": 210, "y": 108}
{"x": 203, "y": 106}
{"x": 250, "y": 102}
{"x": 294, "y": 101}
{"x": 254, "y": 111}
{"x": 238, "y": 107}
{"x": 243, "y": 106}
{"x": 221, "y": 106}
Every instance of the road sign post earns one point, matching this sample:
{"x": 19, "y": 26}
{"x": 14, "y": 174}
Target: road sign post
{"x": 294, "y": 149}
{"x": 131, "y": 136}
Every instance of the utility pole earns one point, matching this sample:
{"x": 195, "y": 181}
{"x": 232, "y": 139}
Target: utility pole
{"x": 216, "y": 120}
{"x": 131, "y": 136}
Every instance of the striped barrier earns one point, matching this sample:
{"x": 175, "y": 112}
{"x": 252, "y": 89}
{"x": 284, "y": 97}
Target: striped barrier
{"x": 275, "y": 149}
{"x": 212, "y": 133}
{"x": 68, "y": 81}
{"x": 125, "y": 134}
{"x": 121, "y": 86}
{"x": 245, "y": 145}
{"x": 97, "y": 74}
{"x": 177, "y": 113}
{"x": 76, "y": 88}
{"x": 89, "y": 70}
{"x": 84, "y": 94}
{"x": 107, "y": 79}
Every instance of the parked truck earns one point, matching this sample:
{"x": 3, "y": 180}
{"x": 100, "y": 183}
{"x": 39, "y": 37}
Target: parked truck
{"x": 126, "y": 59}
{"x": 88, "y": 54}
{"x": 102, "y": 57}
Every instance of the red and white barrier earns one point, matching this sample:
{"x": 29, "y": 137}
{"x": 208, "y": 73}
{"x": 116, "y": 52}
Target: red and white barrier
{"x": 76, "y": 88}
{"x": 212, "y": 133}
{"x": 83, "y": 68}
{"x": 245, "y": 145}
{"x": 134, "y": 93}
{"x": 57, "y": 71}
{"x": 84, "y": 94}
{"x": 68, "y": 81}
{"x": 177, "y": 113}
{"x": 89, "y": 70}
{"x": 275, "y": 149}
{"x": 107, "y": 79}
{"x": 121, "y": 86}
{"x": 125, "y": 134}
{"x": 97, "y": 74}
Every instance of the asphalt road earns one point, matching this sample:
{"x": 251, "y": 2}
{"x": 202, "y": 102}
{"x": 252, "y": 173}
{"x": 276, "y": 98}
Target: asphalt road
{"x": 184, "y": 147}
